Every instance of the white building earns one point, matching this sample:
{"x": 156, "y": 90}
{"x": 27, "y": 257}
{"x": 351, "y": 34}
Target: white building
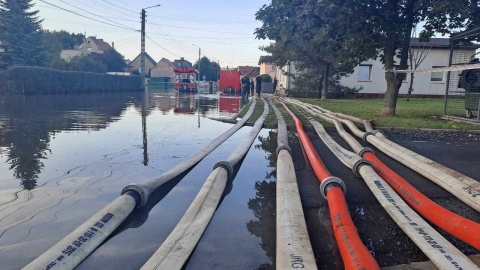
{"x": 371, "y": 74}
{"x": 285, "y": 82}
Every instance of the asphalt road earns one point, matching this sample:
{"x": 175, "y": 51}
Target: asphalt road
{"x": 387, "y": 242}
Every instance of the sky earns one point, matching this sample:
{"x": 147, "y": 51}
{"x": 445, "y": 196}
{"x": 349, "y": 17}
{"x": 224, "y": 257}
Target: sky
{"x": 222, "y": 29}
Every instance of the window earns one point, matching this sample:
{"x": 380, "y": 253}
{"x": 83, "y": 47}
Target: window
{"x": 364, "y": 72}
{"x": 437, "y": 76}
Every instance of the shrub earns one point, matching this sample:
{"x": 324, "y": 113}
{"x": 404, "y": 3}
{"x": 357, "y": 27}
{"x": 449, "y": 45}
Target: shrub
{"x": 36, "y": 80}
{"x": 266, "y": 78}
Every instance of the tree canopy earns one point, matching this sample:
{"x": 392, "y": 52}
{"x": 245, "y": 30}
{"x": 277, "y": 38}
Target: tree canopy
{"x": 341, "y": 33}
{"x": 208, "y": 68}
{"x": 20, "y": 36}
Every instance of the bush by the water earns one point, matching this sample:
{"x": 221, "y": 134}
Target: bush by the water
{"x": 36, "y": 80}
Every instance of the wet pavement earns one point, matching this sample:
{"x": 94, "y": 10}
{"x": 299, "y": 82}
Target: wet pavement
{"x": 63, "y": 158}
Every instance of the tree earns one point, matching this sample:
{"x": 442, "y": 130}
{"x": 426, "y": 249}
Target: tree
{"x": 345, "y": 31}
{"x": 87, "y": 64}
{"x": 111, "y": 59}
{"x": 20, "y": 36}
{"x": 305, "y": 31}
{"x": 209, "y": 69}
{"x": 416, "y": 56}
{"x": 391, "y": 23}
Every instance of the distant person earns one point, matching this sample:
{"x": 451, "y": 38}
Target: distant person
{"x": 245, "y": 86}
{"x": 258, "y": 82}
{"x": 275, "y": 82}
{"x": 252, "y": 87}
{"x": 211, "y": 87}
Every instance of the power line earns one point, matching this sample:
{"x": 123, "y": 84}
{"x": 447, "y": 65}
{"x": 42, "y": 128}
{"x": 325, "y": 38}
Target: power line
{"x": 109, "y": 8}
{"x": 162, "y": 47}
{"x": 120, "y": 7}
{"x": 224, "y": 32}
{"x": 202, "y": 19}
{"x": 93, "y": 13}
{"x": 73, "y": 12}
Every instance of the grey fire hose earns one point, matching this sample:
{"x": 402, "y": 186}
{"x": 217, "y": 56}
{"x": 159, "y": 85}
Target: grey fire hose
{"x": 76, "y": 246}
{"x": 178, "y": 246}
{"x": 461, "y": 186}
{"x": 441, "y": 252}
{"x": 292, "y": 234}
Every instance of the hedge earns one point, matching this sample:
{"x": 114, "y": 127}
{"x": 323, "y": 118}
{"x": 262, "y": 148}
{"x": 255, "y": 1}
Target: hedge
{"x": 36, "y": 80}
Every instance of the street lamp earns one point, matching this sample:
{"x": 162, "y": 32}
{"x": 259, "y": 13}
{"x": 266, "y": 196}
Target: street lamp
{"x": 142, "y": 49}
{"x": 199, "y": 53}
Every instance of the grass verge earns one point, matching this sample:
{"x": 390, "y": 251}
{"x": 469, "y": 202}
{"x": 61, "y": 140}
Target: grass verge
{"x": 416, "y": 113}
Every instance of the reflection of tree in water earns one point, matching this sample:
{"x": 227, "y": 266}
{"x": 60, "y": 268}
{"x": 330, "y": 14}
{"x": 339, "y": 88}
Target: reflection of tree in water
{"x": 264, "y": 203}
{"x": 263, "y": 207}
{"x": 28, "y": 122}
{"x": 25, "y": 153}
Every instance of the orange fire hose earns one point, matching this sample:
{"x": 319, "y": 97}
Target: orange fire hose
{"x": 354, "y": 253}
{"x": 458, "y": 226}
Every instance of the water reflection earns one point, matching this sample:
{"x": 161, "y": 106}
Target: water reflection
{"x": 30, "y": 122}
{"x": 264, "y": 204}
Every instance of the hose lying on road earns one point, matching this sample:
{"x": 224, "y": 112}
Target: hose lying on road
{"x": 441, "y": 252}
{"x": 178, "y": 246}
{"x": 463, "y": 187}
{"x": 458, "y": 226}
{"x": 76, "y": 246}
{"x": 354, "y": 253}
{"x": 293, "y": 243}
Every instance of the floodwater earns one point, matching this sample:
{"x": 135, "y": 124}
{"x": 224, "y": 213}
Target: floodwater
{"x": 63, "y": 158}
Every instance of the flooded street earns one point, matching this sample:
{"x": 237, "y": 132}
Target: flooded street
{"x": 63, "y": 158}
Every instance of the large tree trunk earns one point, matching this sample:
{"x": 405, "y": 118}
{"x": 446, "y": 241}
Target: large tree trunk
{"x": 394, "y": 81}
{"x": 325, "y": 82}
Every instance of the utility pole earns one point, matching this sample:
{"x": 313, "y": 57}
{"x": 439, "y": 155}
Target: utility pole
{"x": 199, "y": 54}
{"x": 142, "y": 51}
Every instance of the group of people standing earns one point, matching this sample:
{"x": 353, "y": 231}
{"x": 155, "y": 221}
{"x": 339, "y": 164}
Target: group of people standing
{"x": 249, "y": 86}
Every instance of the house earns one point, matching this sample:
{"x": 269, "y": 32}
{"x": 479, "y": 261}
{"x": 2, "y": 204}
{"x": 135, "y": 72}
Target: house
{"x": 166, "y": 70}
{"x": 266, "y": 66}
{"x": 91, "y": 44}
{"x": 135, "y": 65}
{"x": 163, "y": 71}
{"x": 285, "y": 82}
{"x": 371, "y": 74}
{"x": 249, "y": 71}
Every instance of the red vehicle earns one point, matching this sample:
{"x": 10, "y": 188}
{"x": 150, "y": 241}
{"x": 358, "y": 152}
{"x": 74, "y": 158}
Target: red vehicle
{"x": 230, "y": 81}
{"x": 185, "y": 79}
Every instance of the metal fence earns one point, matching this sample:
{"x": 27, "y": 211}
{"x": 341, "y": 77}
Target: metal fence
{"x": 461, "y": 101}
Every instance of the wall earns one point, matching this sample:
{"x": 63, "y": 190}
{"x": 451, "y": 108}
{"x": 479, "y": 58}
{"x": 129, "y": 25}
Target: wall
{"x": 36, "y": 80}
{"x": 285, "y": 82}
{"x": 267, "y": 68}
{"x": 163, "y": 69}
{"x": 422, "y": 84}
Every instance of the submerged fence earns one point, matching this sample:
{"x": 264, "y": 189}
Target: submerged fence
{"x": 36, "y": 80}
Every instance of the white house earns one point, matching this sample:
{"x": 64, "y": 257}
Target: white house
{"x": 91, "y": 44}
{"x": 285, "y": 82}
{"x": 371, "y": 74}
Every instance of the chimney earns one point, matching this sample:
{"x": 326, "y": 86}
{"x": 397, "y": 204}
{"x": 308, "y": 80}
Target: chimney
{"x": 113, "y": 45}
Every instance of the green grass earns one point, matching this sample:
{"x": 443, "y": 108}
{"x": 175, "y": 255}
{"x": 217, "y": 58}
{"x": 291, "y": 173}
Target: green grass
{"x": 416, "y": 113}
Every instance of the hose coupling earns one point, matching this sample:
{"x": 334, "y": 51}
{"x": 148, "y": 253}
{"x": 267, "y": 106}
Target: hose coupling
{"x": 283, "y": 147}
{"x": 365, "y": 150}
{"x": 368, "y": 133}
{"x": 361, "y": 162}
{"x": 329, "y": 182}
{"x": 227, "y": 165}
{"x": 141, "y": 190}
